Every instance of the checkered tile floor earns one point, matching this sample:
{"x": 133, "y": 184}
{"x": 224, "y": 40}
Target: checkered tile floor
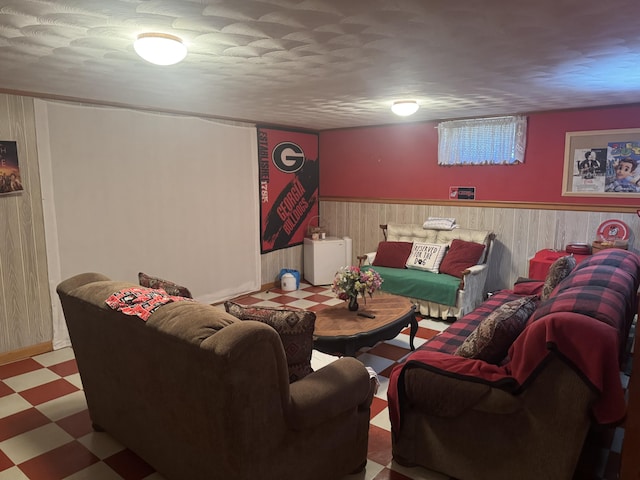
{"x": 46, "y": 434}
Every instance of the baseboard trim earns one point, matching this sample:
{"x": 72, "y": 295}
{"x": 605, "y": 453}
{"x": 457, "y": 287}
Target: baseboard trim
{"x": 25, "y": 352}
{"x": 269, "y": 286}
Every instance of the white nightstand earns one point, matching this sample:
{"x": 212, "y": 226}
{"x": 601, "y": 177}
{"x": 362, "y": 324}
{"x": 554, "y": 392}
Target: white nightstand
{"x": 323, "y": 258}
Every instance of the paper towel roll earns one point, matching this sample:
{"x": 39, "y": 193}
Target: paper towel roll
{"x": 348, "y": 245}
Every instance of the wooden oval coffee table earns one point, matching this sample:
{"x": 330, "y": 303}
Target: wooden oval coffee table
{"x": 340, "y": 331}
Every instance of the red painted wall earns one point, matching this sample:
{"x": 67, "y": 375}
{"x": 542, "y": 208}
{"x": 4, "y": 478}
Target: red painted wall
{"x": 400, "y": 161}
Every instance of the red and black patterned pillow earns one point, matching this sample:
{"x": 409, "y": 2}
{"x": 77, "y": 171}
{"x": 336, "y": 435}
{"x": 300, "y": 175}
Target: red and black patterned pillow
{"x": 295, "y": 328}
{"x": 171, "y": 288}
{"x": 491, "y": 339}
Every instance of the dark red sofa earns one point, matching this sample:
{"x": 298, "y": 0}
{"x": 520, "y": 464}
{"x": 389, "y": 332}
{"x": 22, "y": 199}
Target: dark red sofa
{"x": 526, "y": 416}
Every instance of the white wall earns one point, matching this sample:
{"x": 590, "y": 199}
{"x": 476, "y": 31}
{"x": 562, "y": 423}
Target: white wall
{"x": 131, "y": 191}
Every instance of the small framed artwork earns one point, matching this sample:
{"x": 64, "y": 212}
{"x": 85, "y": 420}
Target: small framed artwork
{"x": 602, "y": 163}
{"x": 10, "y": 180}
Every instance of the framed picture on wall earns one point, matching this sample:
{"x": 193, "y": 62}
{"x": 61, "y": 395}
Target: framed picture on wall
{"x": 10, "y": 180}
{"x": 602, "y": 163}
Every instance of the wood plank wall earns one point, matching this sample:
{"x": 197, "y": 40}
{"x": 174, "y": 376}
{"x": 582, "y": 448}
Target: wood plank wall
{"x": 25, "y": 305}
{"x": 520, "y": 232}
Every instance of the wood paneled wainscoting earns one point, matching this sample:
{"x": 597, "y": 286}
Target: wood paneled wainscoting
{"x": 25, "y": 303}
{"x": 521, "y": 229}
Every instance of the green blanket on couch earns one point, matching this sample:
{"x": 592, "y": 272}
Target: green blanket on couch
{"x": 433, "y": 287}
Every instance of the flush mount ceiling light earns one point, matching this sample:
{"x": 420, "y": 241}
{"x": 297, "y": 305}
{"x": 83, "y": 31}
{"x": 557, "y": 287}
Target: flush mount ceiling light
{"x": 160, "y": 48}
{"x": 404, "y": 108}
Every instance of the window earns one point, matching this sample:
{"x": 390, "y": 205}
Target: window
{"x": 482, "y": 141}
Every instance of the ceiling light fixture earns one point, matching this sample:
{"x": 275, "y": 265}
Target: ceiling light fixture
{"x": 160, "y": 48}
{"x": 404, "y": 108}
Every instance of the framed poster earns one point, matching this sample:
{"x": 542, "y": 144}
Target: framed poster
{"x": 288, "y": 182}
{"x": 602, "y": 163}
{"x": 10, "y": 180}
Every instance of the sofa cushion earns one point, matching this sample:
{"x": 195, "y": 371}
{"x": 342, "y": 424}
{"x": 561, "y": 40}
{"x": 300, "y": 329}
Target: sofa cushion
{"x": 392, "y": 254}
{"x": 295, "y": 328}
{"x": 426, "y": 256}
{"x": 467, "y": 234}
{"x": 461, "y": 256}
{"x": 158, "y": 283}
{"x": 190, "y": 321}
{"x": 434, "y": 287}
{"x": 491, "y": 340}
{"x": 558, "y": 271}
{"x": 398, "y": 232}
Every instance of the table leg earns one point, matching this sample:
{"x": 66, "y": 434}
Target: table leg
{"x": 414, "y": 330}
{"x": 349, "y": 349}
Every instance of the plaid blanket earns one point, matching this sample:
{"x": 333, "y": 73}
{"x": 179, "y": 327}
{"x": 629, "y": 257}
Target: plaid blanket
{"x": 602, "y": 287}
{"x": 450, "y": 339}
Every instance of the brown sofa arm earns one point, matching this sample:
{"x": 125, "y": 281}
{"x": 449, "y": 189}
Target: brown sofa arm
{"x": 80, "y": 280}
{"x": 442, "y": 395}
{"x": 326, "y": 393}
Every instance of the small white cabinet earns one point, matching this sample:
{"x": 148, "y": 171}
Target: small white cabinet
{"x": 323, "y": 258}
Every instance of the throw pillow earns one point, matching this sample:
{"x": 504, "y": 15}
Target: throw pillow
{"x": 426, "y": 256}
{"x": 558, "y": 271}
{"x": 295, "y": 328}
{"x": 491, "y": 339}
{"x": 439, "y": 223}
{"x": 528, "y": 287}
{"x": 461, "y": 255}
{"x": 392, "y": 254}
{"x": 171, "y": 288}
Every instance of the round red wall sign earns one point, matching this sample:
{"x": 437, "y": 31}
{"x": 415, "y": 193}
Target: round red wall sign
{"x": 613, "y": 230}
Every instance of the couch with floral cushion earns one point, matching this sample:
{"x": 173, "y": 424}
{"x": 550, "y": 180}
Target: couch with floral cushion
{"x": 442, "y": 270}
{"x": 200, "y": 393}
{"x": 511, "y": 389}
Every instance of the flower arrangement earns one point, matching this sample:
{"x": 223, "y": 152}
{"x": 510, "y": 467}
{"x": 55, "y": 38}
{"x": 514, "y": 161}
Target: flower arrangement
{"x": 352, "y": 281}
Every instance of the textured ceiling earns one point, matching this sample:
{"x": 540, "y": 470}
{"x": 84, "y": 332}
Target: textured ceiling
{"x": 323, "y": 64}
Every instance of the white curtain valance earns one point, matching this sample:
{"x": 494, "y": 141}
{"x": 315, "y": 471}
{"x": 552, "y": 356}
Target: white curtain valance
{"x": 481, "y": 141}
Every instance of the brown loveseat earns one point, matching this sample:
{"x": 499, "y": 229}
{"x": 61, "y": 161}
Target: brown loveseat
{"x": 199, "y": 394}
{"x": 523, "y": 414}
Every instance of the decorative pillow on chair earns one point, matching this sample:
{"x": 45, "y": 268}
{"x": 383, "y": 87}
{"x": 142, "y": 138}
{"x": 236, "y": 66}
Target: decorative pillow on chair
{"x": 426, "y": 256}
{"x": 491, "y": 339}
{"x": 392, "y": 254}
{"x": 295, "y": 328}
{"x": 461, "y": 255}
{"x": 558, "y": 271}
{"x": 171, "y": 288}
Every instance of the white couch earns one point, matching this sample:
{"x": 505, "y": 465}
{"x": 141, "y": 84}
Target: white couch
{"x": 472, "y": 285}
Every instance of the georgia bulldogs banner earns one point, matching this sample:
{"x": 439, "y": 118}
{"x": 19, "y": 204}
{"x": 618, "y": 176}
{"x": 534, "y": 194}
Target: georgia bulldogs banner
{"x": 288, "y": 165}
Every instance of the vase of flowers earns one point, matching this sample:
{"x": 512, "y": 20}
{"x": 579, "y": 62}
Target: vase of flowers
{"x": 352, "y": 282}
{"x": 353, "y": 303}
